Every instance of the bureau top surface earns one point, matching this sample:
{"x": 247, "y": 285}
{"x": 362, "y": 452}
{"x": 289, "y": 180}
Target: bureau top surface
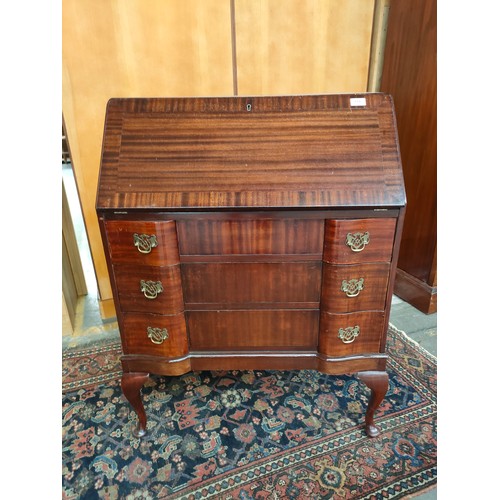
{"x": 314, "y": 151}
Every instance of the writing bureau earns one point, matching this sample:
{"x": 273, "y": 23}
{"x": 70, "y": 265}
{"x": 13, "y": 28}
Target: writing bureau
{"x": 252, "y": 233}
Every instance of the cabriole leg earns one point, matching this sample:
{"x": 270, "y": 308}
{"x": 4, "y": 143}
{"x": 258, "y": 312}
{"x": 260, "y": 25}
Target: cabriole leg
{"x": 131, "y": 387}
{"x": 378, "y": 382}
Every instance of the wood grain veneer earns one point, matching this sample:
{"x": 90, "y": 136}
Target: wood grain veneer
{"x": 257, "y": 329}
{"x": 262, "y": 208}
{"x": 379, "y": 247}
{"x": 136, "y": 339}
{"x": 128, "y": 281}
{"x": 371, "y": 325}
{"x": 258, "y": 236}
{"x": 410, "y": 75}
{"x": 371, "y": 297}
{"x": 194, "y": 153}
{"x": 249, "y": 283}
{"x": 122, "y": 248}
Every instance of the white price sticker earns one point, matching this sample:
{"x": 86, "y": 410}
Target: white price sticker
{"x": 358, "y": 101}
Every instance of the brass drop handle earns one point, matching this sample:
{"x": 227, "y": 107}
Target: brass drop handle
{"x": 157, "y": 335}
{"x": 357, "y": 241}
{"x": 151, "y": 289}
{"x": 349, "y": 334}
{"x": 352, "y": 287}
{"x": 145, "y": 242}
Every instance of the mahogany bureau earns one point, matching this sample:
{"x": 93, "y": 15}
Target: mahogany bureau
{"x": 252, "y": 233}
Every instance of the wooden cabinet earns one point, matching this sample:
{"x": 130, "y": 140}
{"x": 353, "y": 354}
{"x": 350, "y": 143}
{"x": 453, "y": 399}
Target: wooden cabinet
{"x": 409, "y": 74}
{"x": 252, "y": 233}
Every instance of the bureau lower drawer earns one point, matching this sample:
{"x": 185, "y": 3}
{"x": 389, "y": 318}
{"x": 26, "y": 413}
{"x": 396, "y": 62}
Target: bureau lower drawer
{"x": 354, "y": 287}
{"x": 253, "y": 330}
{"x": 346, "y": 334}
{"x": 354, "y": 241}
{"x": 155, "y": 335}
{"x": 145, "y": 243}
{"x": 149, "y": 289}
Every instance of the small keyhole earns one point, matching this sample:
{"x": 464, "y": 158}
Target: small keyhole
{"x": 249, "y": 107}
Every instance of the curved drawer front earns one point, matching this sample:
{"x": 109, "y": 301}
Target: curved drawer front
{"x": 155, "y": 335}
{"x": 145, "y": 243}
{"x": 149, "y": 289}
{"x": 354, "y": 241}
{"x": 347, "y": 334}
{"x": 350, "y": 288}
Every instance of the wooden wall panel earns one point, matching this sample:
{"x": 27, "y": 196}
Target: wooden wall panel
{"x": 113, "y": 48}
{"x": 302, "y": 46}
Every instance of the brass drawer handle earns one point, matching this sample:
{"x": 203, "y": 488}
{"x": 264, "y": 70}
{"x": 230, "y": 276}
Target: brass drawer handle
{"x": 145, "y": 242}
{"x": 349, "y": 334}
{"x": 357, "y": 241}
{"x": 151, "y": 289}
{"x": 157, "y": 335}
{"x": 352, "y": 287}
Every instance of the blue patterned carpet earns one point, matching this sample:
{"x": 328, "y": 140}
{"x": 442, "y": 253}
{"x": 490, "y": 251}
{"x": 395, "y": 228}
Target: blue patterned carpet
{"x": 249, "y": 434}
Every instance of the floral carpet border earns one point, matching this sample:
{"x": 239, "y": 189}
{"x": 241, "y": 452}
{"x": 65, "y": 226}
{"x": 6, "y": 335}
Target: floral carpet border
{"x": 91, "y": 366}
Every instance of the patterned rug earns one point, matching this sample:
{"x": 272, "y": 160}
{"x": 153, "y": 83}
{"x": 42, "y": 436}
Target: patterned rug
{"x": 248, "y": 434}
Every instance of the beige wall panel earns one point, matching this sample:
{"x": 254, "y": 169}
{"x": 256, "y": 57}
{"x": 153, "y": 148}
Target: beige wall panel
{"x": 302, "y": 46}
{"x": 116, "y": 48}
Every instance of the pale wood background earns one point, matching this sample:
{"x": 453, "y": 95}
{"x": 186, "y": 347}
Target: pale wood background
{"x": 137, "y": 48}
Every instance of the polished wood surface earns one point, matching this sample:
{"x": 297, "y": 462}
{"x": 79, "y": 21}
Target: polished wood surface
{"x": 123, "y": 250}
{"x": 257, "y": 236}
{"x": 252, "y": 329}
{"x": 410, "y": 75}
{"x": 128, "y": 280}
{"x": 416, "y": 292}
{"x": 193, "y": 153}
{"x": 253, "y": 360}
{"x": 378, "y": 383}
{"x": 378, "y": 249}
{"x": 131, "y": 386}
{"x": 135, "y": 334}
{"x": 370, "y": 326}
{"x": 248, "y": 284}
{"x": 371, "y": 297}
{"x": 252, "y": 287}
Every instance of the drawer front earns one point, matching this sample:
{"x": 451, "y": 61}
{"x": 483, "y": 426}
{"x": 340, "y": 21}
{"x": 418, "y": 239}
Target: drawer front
{"x": 155, "y": 335}
{"x": 253, "y": 330}
{"x": 354, "y": 287}
{"x": 149, "y": 289}
{"x": 251, "y": 237}
{"x": 247, "y": 284}
{"x": 347, "y": 334}
{"x": 360, "y": 240}
{"x": 145, "y": 243}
